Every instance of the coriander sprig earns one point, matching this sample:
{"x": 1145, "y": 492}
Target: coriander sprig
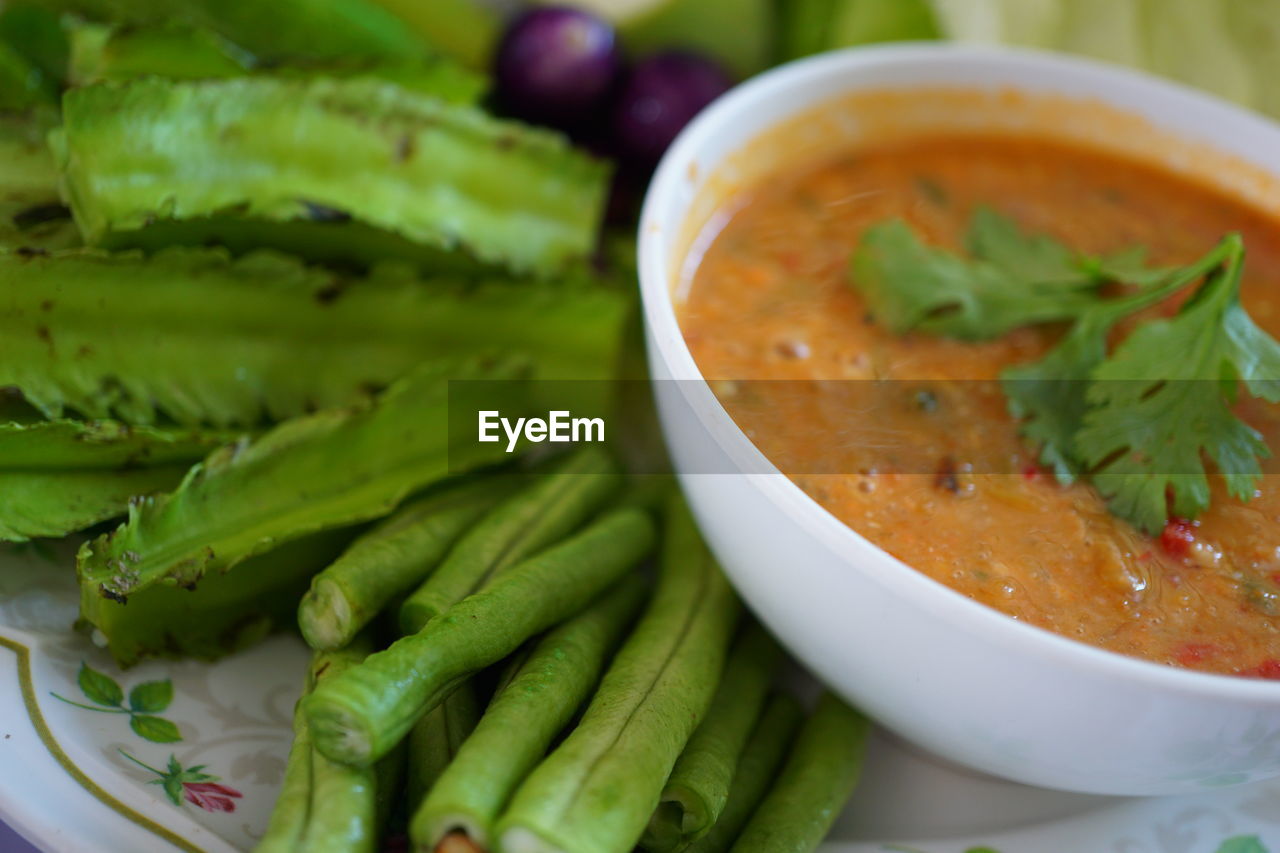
{"x": 1139, "y": 423}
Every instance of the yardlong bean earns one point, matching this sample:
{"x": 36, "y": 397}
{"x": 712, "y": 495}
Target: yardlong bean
{"x": 818, "y": 778}
{"x": 346, "y": 798}
{"x": 437, "y": 737}
{"x": 760, "y": 761}
{"x": 698, "y": 788}
{"x": 536, "y": 702}
{"x": 358, "y": 716}
{"x": 388, "y": 560}
{"x": 596, "y": 792}
{"x": 522, "y": 525}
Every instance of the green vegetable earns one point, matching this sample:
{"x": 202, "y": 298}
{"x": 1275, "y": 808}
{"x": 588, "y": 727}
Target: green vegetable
{"x": 66, "y": 444}
{"x": 293, "y": 803}
{"x": 813, "y": 26}
{"x": 537, "y": 700}
{"x": 21, "y": 84}
{"x": 1012, "y": 279}
{"x": 522, "y": 525}
{"x": 441, "y": 185}
{"x": 866, "y": 21}
{"x": 462, "y": 29}
{"x": 1162, "y": 402}
{"x": 331, "y": 469}
{"x": 596, "y": 792}
{"x": 698, "y": 788}
{"x": 226, "y": 612}
{"x": 758, "y": 767}
{"x": 32, "y": 216}
{"x": 36, "y": 32}
{"x": 1137, "y": 422}
{"x": 56, "y": 502}
{"x": 322, "y": 805}
{"x": 344, "y": 808}
{"x": 436, "y": 738}
{"x": 1228, "y": 48}
{"x": 282, "y": 28}
{"x": 1050, "y": 394}
{"x": 102, "y": 52}
{"x": 203, "y": 339}
{"x": 361, "y": 715}
{"x": 817, "y": 779}
{"x": 388, "y": 560}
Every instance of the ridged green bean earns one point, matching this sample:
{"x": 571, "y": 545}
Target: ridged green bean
{"x": 436, "y": 738}
{"x": 698, "y": 788}
{"x": 345, "y": 801}
{"x": 819, "y": 776}
{"x": 533, "y": 705}
{"x": 359, "y": 716}
{"x": 596, "y": 792}
{"x": 761, "y": 758}
{"x": 387, "y": 561}
{"x": 533, "y": 519}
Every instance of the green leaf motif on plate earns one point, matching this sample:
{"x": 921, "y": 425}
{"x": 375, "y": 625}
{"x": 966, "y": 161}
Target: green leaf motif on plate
{"x": 1243, "y": 844}
{"x": 151, "y": 697}
{"x": 155, "y": 729}
{"x": 145, "y": 701}
{"x": 99, "y": 687}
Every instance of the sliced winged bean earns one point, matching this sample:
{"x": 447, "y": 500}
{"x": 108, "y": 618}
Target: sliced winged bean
{"x": 359, "y": 716}
{"x": 537, "y": 700}
{"x": 596, "y": 792}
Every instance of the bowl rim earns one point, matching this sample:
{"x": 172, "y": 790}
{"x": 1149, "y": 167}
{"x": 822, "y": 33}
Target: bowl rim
{"x": 654, "y": 264}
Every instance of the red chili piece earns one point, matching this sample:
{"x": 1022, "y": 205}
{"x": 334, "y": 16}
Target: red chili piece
{"x": 1178, "y": 536}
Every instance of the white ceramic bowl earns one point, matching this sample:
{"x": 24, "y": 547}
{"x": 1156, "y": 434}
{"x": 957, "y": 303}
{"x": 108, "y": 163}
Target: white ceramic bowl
{"x": 943, "y": 671}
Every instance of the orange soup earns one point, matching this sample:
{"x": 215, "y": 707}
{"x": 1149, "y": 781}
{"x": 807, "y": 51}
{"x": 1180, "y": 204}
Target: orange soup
{"x": 771, "y": 300}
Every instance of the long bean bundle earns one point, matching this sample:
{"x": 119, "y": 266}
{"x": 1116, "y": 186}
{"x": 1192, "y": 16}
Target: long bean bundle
{"x": 761, "y": 758}
{"x": 362, "y": 714}
{"x": 818, "y": 778}
{"x": 535, "y": 518}
{"x": 698, "y": 788}
{"x": 323, "y": 805}
{"x": 537, "y": 700}
{"x": 388, "y": 560}
{"x": 596, "y": 792}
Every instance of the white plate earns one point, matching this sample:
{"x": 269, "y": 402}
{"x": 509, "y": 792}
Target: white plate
{"x": 66, "y": 784}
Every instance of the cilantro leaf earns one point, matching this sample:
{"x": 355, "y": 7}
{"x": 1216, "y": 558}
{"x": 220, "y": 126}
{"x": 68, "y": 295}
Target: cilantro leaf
{"x": 1162, "y": 402}
{"x": 1050, "y": 394}
{"x": 1139, "y": 423}
{"x": 1012, "y": 279}
{"x": 910, "y": 285}
{"x": 1027, "y": 258}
